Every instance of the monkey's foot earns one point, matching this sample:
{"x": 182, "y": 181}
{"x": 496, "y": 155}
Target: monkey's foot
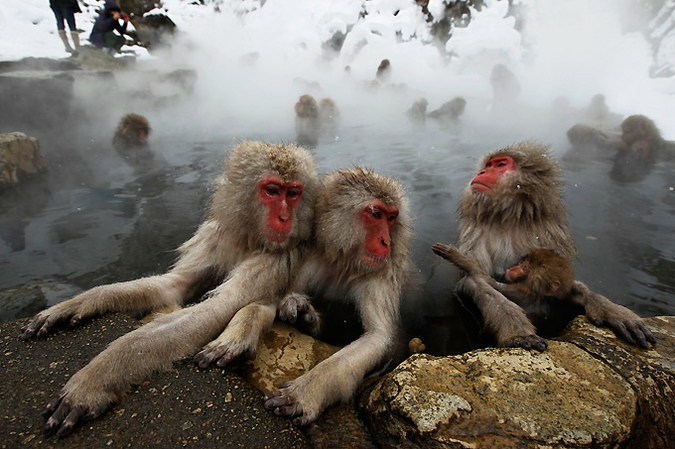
{"x": 445, "y": 251}
{"x": 63, "y": 414}
{"x": 287, "y": 403}
{"x": 526, "y": 342}
{"x": 221, "y": 354}
{"x": 297, "y": 309}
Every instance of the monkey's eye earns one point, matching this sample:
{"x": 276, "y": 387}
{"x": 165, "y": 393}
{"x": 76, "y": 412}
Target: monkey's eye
{"x": 293, "y": 193}
{"x": 526, "y": 268}
{"x": 377, "y": 214}
{"x": 272, "y": 190}
{"x": 392, "y": 217}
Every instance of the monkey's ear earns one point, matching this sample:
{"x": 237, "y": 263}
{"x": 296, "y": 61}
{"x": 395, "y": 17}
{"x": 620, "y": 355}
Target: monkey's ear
{"x": 552, "y": 288}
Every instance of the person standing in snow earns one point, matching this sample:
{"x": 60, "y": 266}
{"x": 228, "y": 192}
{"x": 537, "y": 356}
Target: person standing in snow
{"x": 102, "y": 35}
{"x": 64, "y": 11}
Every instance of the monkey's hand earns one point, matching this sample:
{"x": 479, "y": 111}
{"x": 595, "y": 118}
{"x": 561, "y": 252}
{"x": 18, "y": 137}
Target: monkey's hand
{"x": 222, "y": 351}
{"x": 621, "y": 320}
{"x": 505, "y": 318}
{"x": 297, "y": 309}
{"x": 291, "y": 401}
{"x": 43, "y": 323}
{"x": 80, "y": 400}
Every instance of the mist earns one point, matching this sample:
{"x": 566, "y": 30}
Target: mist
{"x": 254, "y": 61}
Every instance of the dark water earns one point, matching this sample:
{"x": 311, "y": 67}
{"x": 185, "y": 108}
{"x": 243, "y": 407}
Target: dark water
{"x": 96, "y": 221}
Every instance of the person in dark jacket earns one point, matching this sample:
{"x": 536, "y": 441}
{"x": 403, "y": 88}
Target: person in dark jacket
{"x": 64, "y": 11}
{"x": 102, "y": 35}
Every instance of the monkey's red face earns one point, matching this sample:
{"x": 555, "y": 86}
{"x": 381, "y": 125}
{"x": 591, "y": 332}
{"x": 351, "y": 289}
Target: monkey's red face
{"x": 518, "y": 272}
{"x": 280, "y": 198}
{"x": 378, "y": 220}
{"x": 493, "y": 171}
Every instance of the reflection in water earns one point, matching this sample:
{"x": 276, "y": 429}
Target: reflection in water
{"x": 128, "y": 226}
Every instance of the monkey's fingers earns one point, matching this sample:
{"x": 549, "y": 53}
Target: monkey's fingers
{"x": 634, "y": 332}
{"x": 63, "y": 417}
{"x": 527, "y": 342}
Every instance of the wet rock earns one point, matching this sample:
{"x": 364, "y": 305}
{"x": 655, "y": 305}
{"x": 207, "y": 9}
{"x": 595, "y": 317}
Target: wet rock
{"x": 20, "y": 156}
{"x": 284, "y": 353}
{"x": 589, "y": 389}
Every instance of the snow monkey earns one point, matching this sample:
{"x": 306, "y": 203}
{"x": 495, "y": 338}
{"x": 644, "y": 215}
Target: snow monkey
{"x": 133, "y": 130}
{"x": 246, "y": 251}
{"x": 512, "y": 206}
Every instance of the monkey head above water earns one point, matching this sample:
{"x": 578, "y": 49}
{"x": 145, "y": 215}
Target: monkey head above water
{"x": 132, "y": 130}
{"x": 512, "y": 206}
{"x": 246, "y": 251}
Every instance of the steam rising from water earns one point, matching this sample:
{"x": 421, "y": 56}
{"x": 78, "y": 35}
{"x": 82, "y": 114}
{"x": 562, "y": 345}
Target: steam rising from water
{"x": 571, "y": 48}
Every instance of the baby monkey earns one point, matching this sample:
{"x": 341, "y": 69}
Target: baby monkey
{"x": 541, "y": 274}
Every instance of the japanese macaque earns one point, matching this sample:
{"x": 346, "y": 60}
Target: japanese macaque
{"x": 417, "y": 114}
{"x": 539, "y": 275}
{"x": 329, "y": 117}
{"x": 361, "y": 255}
{"x": 307, "y": 121}
{"x": 512, "y": 206}
{"x": 246, "y": 251}
{"x": 505, "y": 88}
{"x": 383, "y": 74}
{"x": 133, "y": 130}
{"x": 597, "y": 113}
{"x": 449, "y": 111}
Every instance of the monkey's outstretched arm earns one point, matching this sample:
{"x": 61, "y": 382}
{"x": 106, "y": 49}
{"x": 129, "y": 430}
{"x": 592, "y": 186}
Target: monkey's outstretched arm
{"x": 462, "y": 261}
{"x": 186, "y": 279}
{"x": 134, "y": 357}
{"x": 603, "y": 312}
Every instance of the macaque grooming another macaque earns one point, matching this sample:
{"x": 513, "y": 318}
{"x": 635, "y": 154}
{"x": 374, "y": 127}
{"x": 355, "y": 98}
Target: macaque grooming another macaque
{"x": 541, "y": 274}
{"x": 132, "y": 131}
{"x": 329, "y": 117}
{"x": 307, "y": 121}
{"x": 247, "y": 251}
{"x": 512, "y": 206}
{"x": 361, "y": 255}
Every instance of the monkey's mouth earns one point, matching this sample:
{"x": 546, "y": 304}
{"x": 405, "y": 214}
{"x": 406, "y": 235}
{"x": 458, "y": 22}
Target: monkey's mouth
{"x": 479, "y": 187}
{"x": 374, "y": 261}
{"x": 278, "y": 237}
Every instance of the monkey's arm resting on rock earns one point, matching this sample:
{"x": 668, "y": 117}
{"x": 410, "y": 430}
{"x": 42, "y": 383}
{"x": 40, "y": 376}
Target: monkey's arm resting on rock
{"x": 134, "y": 357}
{"x": 337, "y": 378}
{"x": 603, "y": 312}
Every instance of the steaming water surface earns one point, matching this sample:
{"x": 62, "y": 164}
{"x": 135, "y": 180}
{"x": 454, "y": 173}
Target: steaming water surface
{"x": 123, "y": 225}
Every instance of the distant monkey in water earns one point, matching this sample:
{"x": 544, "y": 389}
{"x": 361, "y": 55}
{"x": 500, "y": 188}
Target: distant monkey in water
{"x": 307, "y": 121}
{"x": 132, "y": 130}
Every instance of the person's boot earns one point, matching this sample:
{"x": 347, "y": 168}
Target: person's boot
{"x": 64, "y": 39}
{"x": 76, "y": 41}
